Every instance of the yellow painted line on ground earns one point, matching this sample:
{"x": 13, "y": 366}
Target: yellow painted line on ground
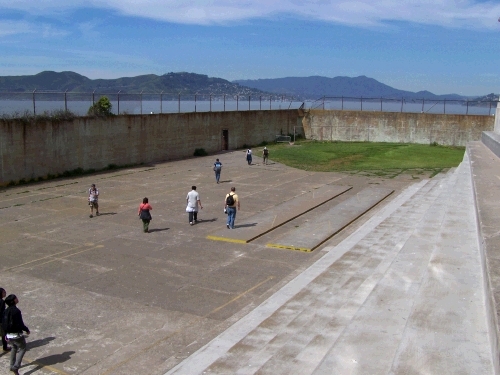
{"x": 50, "y": 256}
{"x": 29, "y": 362}
{"x": 289, "y": 247}
{"x": 233, "y": 240}
{"x": 140, "y": 352}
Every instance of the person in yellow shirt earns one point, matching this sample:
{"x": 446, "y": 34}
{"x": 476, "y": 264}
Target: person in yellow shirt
{"x": 231, "y": 203}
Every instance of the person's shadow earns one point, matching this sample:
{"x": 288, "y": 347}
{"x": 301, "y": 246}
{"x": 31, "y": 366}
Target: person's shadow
{"x": 158, "y": 230}
{"x": 48, "y": 361}
{"x": 36, "y": 343}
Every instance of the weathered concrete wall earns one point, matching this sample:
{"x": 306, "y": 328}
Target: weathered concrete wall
{"x": 35, "y": 150}
{"x": 425, "y": 128}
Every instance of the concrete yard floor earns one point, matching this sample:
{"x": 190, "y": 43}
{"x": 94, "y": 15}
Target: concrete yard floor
{"x": 101, "y": 297}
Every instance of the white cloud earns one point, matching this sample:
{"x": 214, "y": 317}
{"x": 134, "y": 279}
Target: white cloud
{"x": 449, "y": 13}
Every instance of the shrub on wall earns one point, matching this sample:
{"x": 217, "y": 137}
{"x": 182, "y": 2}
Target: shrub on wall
{"x": 200, "y": 152}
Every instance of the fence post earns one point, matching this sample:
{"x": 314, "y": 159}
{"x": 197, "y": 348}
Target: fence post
{"x": 467, "y": 111}
{"x": 402, "y": 101}
{"x": 93, "y": 97}
{"x": 423, "y": 101}
{"x": 179, "y": 103}
{"x": 249, "y": 102}
{"x": 118, "y": 100}
{"x": 342, "y": 102}
{"x": 361, "y": 103}
{"x": 489, "y": 112}
{"x": 444, "y": 107}
{"x": 260, "y": 102}
{"x": 323, "y": 102}
{"x": 237, "y": 103}
{"x": 270, "y": 102}
{"x": 224, "y": 102}
{"x": 195, "y": 102}
{"x": 381, "y": 105}
{"x": 141, "y": 102}
{"x": 65, "y": 101}
{"x": 161, "y": 102}
{"x": 34, "y": 106}
{"x": 210, "y": 102}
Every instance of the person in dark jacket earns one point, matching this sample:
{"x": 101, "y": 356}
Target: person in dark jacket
{"x": 3, "y": 293}
{"x": 14, "y": 327}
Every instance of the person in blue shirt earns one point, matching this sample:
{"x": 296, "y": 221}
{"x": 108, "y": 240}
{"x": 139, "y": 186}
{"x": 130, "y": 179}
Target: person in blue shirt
{"x": 217, "y": 169}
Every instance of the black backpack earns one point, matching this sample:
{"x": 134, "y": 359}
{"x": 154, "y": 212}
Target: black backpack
{"x": 230, "y": 200}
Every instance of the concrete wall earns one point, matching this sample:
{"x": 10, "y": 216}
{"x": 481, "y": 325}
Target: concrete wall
{"x": 423, "y": 128}
{"x": 31, "y": 150}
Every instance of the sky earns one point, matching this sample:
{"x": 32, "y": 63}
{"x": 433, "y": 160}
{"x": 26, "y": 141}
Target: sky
{"x": 443, "y": 46}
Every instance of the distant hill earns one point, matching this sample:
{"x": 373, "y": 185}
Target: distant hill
{"x": 178, "y": 83}
{"x": 301, "y": 88}
{"x": 315, "y": 87}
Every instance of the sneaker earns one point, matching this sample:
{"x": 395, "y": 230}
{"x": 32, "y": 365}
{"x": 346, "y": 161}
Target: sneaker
{"x": 227, "y": 225}
{"x": 91, "y": 216}
{"x": 16, "y": 372}
{"x": 190, "y": 223}
{"x": 97, "y": 214}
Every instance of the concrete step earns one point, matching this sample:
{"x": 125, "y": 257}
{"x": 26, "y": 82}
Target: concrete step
{"x": 323, "y": 227}
{"x": 296, "y": 327}
{"x": 267, "y": 220}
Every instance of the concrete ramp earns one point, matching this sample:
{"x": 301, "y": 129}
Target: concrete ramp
{"x": 265, "y": 221}
{"x": 325, "y": 226}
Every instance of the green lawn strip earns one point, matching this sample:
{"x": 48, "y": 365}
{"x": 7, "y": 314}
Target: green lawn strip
{"x": 385, "y": 158}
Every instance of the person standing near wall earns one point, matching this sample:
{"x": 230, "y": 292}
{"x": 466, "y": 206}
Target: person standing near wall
{"x": 249, "y": 157}
{"x": 217, "y": 169}
{"x": 14, "y": 327}
{"x": 93, "y": 200}
{"x": 265, "y": 155}
{"x": 231, "y": 203}
{"x": 145, "y": 215}
{"x": 193, "y": 201}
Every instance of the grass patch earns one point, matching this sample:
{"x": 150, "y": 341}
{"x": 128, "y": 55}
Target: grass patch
{"x": 382, "y": 159}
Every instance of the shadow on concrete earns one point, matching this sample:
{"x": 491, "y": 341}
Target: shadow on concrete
{"x": 201, "y": 221}
{"x": 106, "y": 213}
{"x": 225, "y": 181}
{"x": 245, "y": 225}
{"x": 35, "y": 344}
{"x": 158, "y": 230}
{"x": 48, "y": 361}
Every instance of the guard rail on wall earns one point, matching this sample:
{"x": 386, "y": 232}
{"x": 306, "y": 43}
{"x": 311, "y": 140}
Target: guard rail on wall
{"x": 437, "y": 106}
{"x": 39, "y": 101}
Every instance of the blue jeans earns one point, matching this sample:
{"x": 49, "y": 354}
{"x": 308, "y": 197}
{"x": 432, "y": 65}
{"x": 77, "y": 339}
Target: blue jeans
{"x": 231, "y": 215}
{"x": 217, "y": 176}
{"x": 17, "y": 352}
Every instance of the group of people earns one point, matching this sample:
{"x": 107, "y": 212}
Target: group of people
{"x": 11, "y": 328}
{"x": 193, "y": 201}
{"x": 265, "y": 156}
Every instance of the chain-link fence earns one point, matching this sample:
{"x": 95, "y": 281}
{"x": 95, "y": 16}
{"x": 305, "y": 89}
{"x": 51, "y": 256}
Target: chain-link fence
{"x": 436, "y": 106}
{"x": 40, "y": 101}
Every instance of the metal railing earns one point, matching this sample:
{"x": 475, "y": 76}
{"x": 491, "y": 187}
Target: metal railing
{"x": 39, "y": 101}
{"x": 436, "y": 106}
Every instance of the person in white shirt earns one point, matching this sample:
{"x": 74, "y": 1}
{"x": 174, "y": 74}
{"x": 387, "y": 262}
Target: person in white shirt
{"x": 193, "y": 201}
{"x": 93, "y": 200}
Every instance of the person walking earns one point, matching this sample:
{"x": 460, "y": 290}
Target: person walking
{"x": 265, "y": 156}
{"x": 144, "y": 214}
{"x": 3, "y": 293}
{"x": 217, "y": 169}
{"x": 14, "y": 327}
{"x": 231, "y": 203}
{"x": 93, "y": 200}
{"x": 249, "y": 157}
{"x": 193, "y": 201}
